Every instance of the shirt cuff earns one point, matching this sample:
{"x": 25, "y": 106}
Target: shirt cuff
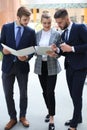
{"x": 58, "y": 50}
{"x": 73, "y": 49}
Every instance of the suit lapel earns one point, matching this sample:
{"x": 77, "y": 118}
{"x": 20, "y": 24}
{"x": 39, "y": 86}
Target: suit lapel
{"x": 51, "y": 37}
{"x": 12, "y": 35}
{"x": 71, "y": 32}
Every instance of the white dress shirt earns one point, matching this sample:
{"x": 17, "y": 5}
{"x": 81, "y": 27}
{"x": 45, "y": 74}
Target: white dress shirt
{"x": 44, "y": 41}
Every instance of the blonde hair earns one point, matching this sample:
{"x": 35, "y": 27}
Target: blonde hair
{"x": 45, "y": 14}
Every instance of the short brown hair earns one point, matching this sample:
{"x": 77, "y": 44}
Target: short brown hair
{"x": 23, "y": 11}
{"x": 61, "y": 13}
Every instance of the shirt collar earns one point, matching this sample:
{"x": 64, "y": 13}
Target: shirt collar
{"x": 16, "y": 25}
{"x": 49, "y": 31}
{"x": 70, "y": 26}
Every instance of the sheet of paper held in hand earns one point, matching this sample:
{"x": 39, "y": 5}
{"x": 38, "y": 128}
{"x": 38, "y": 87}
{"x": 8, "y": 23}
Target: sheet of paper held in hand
{"x": 26, "y": 51}
{"x": 42, "y": 50}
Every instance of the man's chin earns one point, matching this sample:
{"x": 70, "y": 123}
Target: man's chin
{"x": 24, "y": 25}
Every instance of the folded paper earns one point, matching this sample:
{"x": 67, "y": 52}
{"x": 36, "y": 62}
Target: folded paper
{"x": 29, "y": 50}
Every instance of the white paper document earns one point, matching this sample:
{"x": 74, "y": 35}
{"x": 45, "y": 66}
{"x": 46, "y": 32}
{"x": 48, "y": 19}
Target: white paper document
{"x": 22, "y": 52}
{"x": 42, "y": 50}
{"x": 30, "y": 50}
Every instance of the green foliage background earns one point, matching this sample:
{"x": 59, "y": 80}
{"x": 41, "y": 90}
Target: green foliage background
{"x": 1, "y": 56}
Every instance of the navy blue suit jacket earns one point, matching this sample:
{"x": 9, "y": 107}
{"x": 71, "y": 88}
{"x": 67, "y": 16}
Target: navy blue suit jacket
{"x": 77, "y": 39}
{"x": 8, "y": 38}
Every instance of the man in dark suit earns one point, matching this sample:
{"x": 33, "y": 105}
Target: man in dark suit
{"x": 74, "y": 48}
{"x": 18, "y": 67}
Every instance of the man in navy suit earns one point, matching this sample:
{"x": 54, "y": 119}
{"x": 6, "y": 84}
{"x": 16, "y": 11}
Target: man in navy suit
{"x": 74, "y": 48}
{"x": 16, "y": 67}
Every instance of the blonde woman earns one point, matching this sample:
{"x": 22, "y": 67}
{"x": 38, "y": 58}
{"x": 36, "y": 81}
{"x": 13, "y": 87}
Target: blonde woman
{"x": 47, "y": 67}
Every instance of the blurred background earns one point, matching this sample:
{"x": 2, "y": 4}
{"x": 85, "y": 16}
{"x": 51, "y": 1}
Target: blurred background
{"x": 8, "y": 9}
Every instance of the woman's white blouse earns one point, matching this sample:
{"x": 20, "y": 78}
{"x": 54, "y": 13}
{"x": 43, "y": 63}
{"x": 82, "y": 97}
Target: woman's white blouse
{"x": 44, "y": 41}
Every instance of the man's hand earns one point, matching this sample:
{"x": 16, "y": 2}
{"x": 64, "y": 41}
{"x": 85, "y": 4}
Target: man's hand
{"x": 5, "y": 51}
{"x": 23, "y": 58}
{"x": 54, "y": 47}
{"x": 52, "y": 54}
{"x": 65, "y": 47}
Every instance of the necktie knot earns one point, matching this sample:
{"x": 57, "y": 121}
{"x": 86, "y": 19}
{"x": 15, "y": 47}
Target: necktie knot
{"x": 19, "y": 28}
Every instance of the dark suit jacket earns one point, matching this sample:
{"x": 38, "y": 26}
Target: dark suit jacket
{"x": 77, "y": 39}
{"x": 8, "y": 38}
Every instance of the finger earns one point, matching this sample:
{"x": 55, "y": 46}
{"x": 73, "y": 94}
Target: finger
{"x": 63, "y": 44}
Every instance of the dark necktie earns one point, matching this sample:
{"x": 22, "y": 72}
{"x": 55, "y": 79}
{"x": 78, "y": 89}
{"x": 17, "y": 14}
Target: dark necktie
{"x": 66, "y": 34}
{"x": 18, "y": 36}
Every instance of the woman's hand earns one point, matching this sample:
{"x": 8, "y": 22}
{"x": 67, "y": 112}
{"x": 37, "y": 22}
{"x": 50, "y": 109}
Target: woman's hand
{"x": 51, "y": 54}
{"x": 54, "y": 47}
